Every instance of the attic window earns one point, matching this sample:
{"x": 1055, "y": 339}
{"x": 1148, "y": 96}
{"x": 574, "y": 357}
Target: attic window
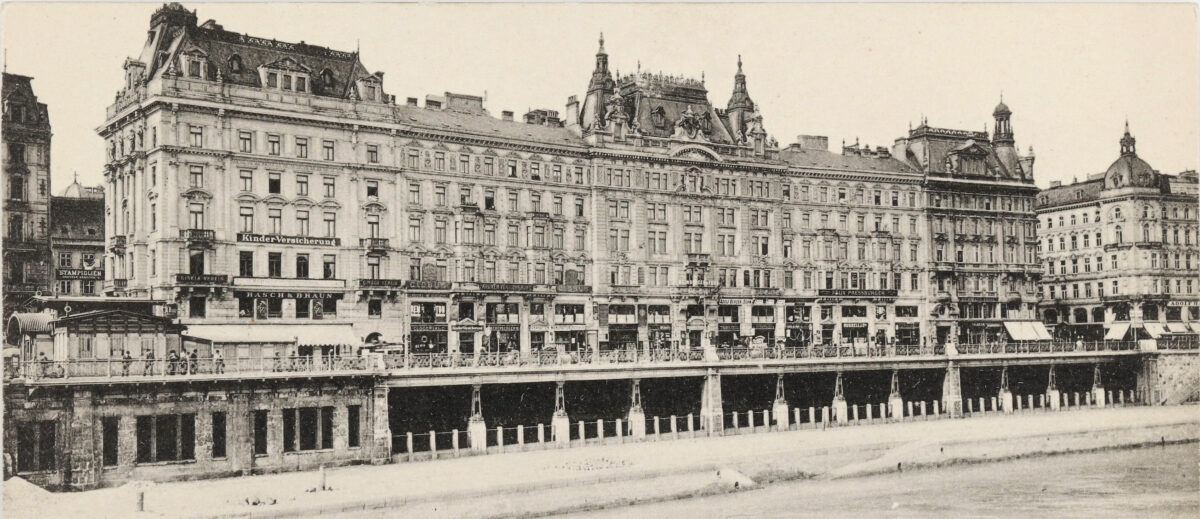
{"x": 235, "y": 63}
{"x": 272, "y": 79}
{"x": 301, "y": 84}
{"x": 193, "y": 68}
{"x": 327, "y": 78}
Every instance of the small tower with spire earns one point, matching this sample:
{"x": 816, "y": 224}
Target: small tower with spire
{"x": 1003, "y": 129}
{"x": 740, "y": 105}
{"x": 1128, "y": 143}
{"x": 600, "y": 88}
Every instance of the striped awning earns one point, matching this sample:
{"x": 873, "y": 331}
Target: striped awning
{"x": 1117, "y": 332}
{"x": 31, "y": 322}
{"x": 1178, "y": 328}
{"x": 1154, "y": 329}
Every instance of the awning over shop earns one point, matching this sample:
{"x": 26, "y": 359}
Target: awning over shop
{"x": 1027, "y": 331}
{"x": 301, "y": 334}
{"x": 1040, "y": 329}
{"x": 1154, "y": 329}
{"x": 1117, "y": 332}
{"x": 1178, "y": 328}
{"x": 1195, "y": 327}
{"x": 1018, "y": 331}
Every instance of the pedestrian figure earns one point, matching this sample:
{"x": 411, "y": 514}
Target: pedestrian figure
{"x": 278, "y": 363}
{"x": 126, "y": 360}
{"x": 193, "y": 362}
{"x": 149, "y": 360}
{"x": 43, "y": 363}
{"x": 218, "y": 362}
{"x": 172, "y": 362}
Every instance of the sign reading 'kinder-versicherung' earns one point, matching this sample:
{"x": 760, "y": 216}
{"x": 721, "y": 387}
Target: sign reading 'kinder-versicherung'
{"x": 277, "y": 239}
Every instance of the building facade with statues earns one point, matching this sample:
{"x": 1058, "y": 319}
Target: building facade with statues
{"x": 257, "y": 182}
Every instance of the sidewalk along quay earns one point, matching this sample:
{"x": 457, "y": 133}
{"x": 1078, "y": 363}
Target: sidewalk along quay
{"x": 553, "y": 481}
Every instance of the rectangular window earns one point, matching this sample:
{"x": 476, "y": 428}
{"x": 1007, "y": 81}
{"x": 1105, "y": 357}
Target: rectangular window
{"x": 302, "y": 265}
{"x": 373, "y": 188}
{"x": 327, "y": 149}
{"x": 275, "y": 264}
{"x": 36, "y": 446}
{"x": 329, "y": 266}
{"x": 247, "y": 177}
{"x": 373, "y": 153}
{"x": 196, "y": 176}
{"x": 274, "y": 182}
{"x": 260, "y": 432}
{"x": 302, "y": 147}
{"x": 246, "y": 214}
{"x": 330, "y": 224}
{"x": 246, "y": 263}
{"x": 218, "y": 435}
{"x": 353, "y": 425}
{"x": 245, "y": 142}
{"x": 168, "y": 437}
{"x": 197, "y": 135}
{"x": 273, "y": 144}
{"x": 109, "y": 426}
{"x": 275, "y": 217}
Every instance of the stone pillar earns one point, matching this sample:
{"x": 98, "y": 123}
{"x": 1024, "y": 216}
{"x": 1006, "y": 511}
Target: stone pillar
{"x": 952, "y": 392}
{"x": 637, "y": 416}
{"x": 895, "y": 401}
{"x": 712, "y": 413}
{"x": 381, "y": 429}
{"x": 1005, "y": 397}
{"x": 82, "y": 455}
{"x": 560, "y": 425}
{"x": 1052, "y": 394}
{"x": 476, "y": 426}
{"x": 523, "y": 316}
{"x": 780, "y": 407}
{"x": 839, "y": 402}
{"x": 1097, "y": 388}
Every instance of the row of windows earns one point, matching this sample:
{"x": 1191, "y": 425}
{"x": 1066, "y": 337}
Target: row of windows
{"x": 972, "y": 253}
{"x": 490, "y": 271}
{"x": 1158, "y": 286}
{"x": 982, "y": 202}
{"x": 466, "y": 196}
{"x": 1147, "y": 213}
{"x": 660, "y": 276}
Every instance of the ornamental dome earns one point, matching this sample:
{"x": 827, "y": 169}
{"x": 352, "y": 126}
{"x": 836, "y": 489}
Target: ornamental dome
{"x": 1001, "y": 109}
{"x": 1129, "y": 170}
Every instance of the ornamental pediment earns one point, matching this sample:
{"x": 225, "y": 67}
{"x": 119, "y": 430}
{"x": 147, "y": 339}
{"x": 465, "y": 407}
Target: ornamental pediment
{"x": 374, "y": 207}
{"x": 246, "y": 197}
{"x": 287, "y": 64}
{"x": 197, "y": 194}
{"x": 694, "y": 152}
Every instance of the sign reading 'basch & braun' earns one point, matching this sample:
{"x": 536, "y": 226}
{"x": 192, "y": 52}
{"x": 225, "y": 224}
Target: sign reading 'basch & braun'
{"x": 277, "y": 239}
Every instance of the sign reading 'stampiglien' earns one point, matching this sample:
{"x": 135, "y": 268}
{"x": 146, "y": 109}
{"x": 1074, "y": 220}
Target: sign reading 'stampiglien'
{"x": 277, "y": 239}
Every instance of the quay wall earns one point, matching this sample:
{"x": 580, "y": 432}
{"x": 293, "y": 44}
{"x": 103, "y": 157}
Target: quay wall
{"x": 1177, "y": 377}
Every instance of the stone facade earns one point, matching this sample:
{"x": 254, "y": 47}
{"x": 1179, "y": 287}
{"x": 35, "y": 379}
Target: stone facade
{"x": 26, "y": 152}
{"x": 645, "y": 216}
{"x": 79, "y": 417}
{"x": 1121, "y": 249}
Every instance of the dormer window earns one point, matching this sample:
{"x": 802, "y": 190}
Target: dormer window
{"x": 371, "y": 93}
{"x": 301, "y": 84}
{"x": 235, "y": 63}
{"x": 327, "y": 78}
{"x": 272, "y": 80}
{"x": 193, "y": 68}
{"x": 287, "y": 82}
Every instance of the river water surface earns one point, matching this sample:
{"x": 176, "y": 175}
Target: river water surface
{"x": 1143, "y": 482}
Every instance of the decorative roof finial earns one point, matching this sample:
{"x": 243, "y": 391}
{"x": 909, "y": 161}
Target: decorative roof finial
{"x": 739, "y": 63}
{"x": 601, "y": 42}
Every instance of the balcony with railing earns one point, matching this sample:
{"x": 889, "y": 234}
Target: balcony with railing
{"x": 198, "y": 237}
{"x": 116, "y": 244}
{"x": 375, "y": 245}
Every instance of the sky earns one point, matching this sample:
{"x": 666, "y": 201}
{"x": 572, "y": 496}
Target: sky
{"x": 1071, "y": 73}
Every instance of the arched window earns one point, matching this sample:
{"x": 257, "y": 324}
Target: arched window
{"x": 1120, "y": 237}
{"x": 235, "y": 63}
{"x": 327, "y": 78}
{"x": 1146, "y": 211}
{"x": 1117, "y": 213}
{"x": 1146, "y": 231}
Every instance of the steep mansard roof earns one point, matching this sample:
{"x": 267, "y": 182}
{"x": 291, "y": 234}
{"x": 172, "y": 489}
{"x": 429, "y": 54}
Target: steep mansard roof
{"x": 802, "y": 158}
{"x": 223, "y": 48}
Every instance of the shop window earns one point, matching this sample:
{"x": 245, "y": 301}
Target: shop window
{"x": 375, "y": 308}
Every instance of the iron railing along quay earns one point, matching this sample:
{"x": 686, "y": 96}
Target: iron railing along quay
{"x": 314, "y": 365}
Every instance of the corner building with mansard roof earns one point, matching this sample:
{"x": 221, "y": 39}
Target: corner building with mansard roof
{"x": 253, "y": 181}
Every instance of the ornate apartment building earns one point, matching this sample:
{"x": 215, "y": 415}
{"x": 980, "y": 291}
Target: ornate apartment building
{"x": 1120, "y": 251}
{"x": 26, "y": 149}
{"x": 258, "y": 181}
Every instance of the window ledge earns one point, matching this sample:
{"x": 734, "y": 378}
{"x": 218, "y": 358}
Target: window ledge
{"x": 162, "y": 463}
{"x": 312, "y": 451}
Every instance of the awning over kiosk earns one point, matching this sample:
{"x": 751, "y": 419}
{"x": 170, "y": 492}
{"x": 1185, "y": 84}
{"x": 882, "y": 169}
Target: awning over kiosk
{"x": 1117, "y": 332}
{"x": 301, "y": 334}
